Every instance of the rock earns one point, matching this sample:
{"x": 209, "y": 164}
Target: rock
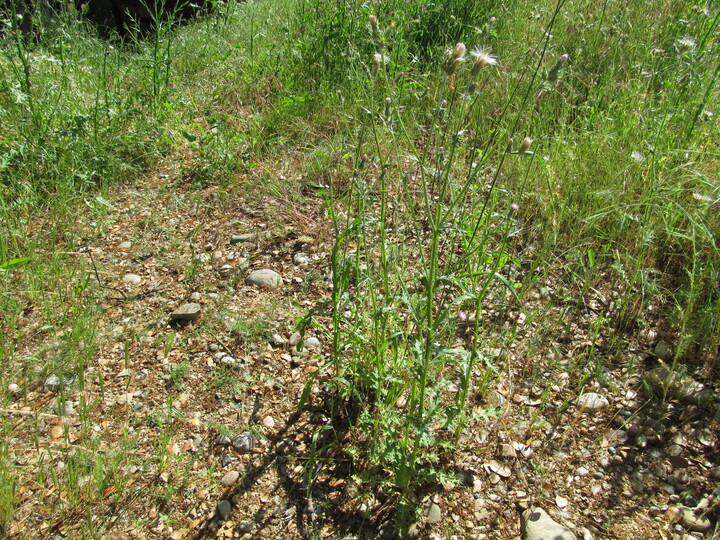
{"x": 300, "y": 260}
{"x": 537, "y": 525}
{"x": 592, "y": 402}
{"x": 53, "y": 384}
{"x": 497, "y": 400}
{"x": 312, "y": 343}
{"x": 693, "y": 522}
{"x": 223, "y": 509}
{"x": 227, "y": 459}
{"x": 186, "y": 312}
{"x": 433, "y": 515}
{"x": 663, "y": 380}
{"x": 230, "y": 478}
{"x": 246, "y": 237}
{"x": 277, "y": 340}
{"x": 265, "y": 278}
{"x": 245, "y": 526}
{"x": 13, "y": 389}
{"x": 195, "y": 297}
{"x": 124, "y": 245}
{"x": 294, "y": 339}
{"x": 664, "y": 351}
{"x": 268, "y": 422}
{"x": 132, "y": 279}
{"x": 244, "y": 442}
{"x": 223, "y": 440}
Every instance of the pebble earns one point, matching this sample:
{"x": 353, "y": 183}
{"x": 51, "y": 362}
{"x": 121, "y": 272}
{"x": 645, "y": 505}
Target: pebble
{"x": 223, "y": 509}
{"x": 265, "y": 278}
{"x": 692, "y": 522}
{"x": 537, "y": 525}
{"x": 244, "y": 442}
{"x": 277, "y": 340}
{"x": 195, "y": 297}
{"x": 125, "y": 245}
{"x": 227, "y": 459}
{"x": 13, "y": 388}
{"x": 186, "y": 312}
{"x": 300, "y": 259}
{"x": 581, "y": 471}
{"x": 312, "y": 343}
{"x": 592, "y": 402}
{"x": 230, "y": 478}
{"x": 52, "y": 383}
{"x": 247, "y": 237}
{"x": 434, "y": 515}
{"x": 245, "y": 526}
{"x": 223, "y": 440}
{"x": 268, "y": 422}
{"x": 132, "y": 279}
{"x": 664, "y": 351}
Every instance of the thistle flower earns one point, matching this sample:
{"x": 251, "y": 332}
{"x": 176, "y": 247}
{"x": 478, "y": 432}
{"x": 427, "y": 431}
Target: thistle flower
{"x": 564, "y": 58}
{"x": 481, "y": 58}
{"x": 515, "y": 206}
{"x": 462, "y": 316}
{"x": 454, "y": 57}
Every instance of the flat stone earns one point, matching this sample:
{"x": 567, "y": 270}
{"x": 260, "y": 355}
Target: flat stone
{"x": 195, "y": 297}
{"x": 434, "y": 514}
{"x": 186, "y": 312}
{"x": 693, "y": 522}
{"x": 664, "y": 351}
{"x": 592, "y": 402}
{"x": 230, "y": 478}
{"x": 537, "y": 525}
{"x": 277, "y": 340}
{"x": 312, "y": 343}
{"x": 265, "y": 278}
{"x": 247, "y": 237}
{"x": 132, "y": 279}
{"x": 268, "y": 422}
{"x": 300, "y": 259}
{"x": 124, "y": 245}
{"x": 223, "y": 509}
{"x": 53, "y": 384}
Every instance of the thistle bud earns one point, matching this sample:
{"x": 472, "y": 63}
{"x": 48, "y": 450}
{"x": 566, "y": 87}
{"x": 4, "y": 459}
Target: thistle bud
{"x": 525, "y": 145}
{"x": 454, "y": 57}
{"x": 564, "y": 58}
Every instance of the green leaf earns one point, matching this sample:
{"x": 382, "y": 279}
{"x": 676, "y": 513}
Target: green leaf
{"x": 104, "y": 201}
{"x": 15, "y": 263}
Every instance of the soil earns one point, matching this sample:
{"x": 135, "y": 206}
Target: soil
{"x": 160, "y": 396}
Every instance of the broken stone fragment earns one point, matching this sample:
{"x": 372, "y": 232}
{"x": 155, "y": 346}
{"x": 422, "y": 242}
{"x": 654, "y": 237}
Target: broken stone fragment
{"x": 186, "y": 312}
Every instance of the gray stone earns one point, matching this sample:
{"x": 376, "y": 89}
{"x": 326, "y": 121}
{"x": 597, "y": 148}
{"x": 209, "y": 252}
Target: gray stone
{"x": 186, "y": 312}
{"x": 132, "y": 279}
{"x": 433, "y": 515}
{"x": 664, "y": 351}
{"x": 53, "y": 384}
{"x": 244, "y": 442}
{"x": 246, "y": 237}
{"x": 230, "y": 478}
{"x": 592, "y": 402}
{"x": 245, "y": 526}
{"x": 227, "y": 459}
{"x": 195, "y": 297}
{"x": 265, "y": 278}
{"x": 537, "y": 525}
{"x": 223, "y": 509}
{"x": 300, "y": 260}
{"x": 277, "y": 340}
{"x": 312, "y": 343}
{"x": 223, "y": 440}
{"x": 124, "y": 245}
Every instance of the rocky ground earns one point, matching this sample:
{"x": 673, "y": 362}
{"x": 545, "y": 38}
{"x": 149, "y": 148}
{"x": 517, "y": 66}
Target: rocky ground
{"x": 193, "y": 398}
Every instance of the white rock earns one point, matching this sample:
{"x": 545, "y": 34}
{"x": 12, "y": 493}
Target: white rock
{"x": 132, "y": 279}
{"x": 13, "y": 388}
{"x": 269, "y": 422}
{"x": 265, "y": 278}
{"x": 592, "y": 402}
{"x": 537, "y": 525}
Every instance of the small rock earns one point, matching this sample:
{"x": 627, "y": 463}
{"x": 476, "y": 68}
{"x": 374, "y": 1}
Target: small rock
{"x": 312, "y": 343}
{"x": 52, "y": 383}
{"x": 227, "y": 459}
{"x": 300, "y": 260}
{"x": 244, "y": 442}
{"x": 664, "y": 351}
{"x": 581, "y": 471}
{"x": 186, "y": 312}
{"x": 433, "y": 515}
{"x": 223, "y": 509}
{"x": 125, "y": 245}
{"x": 692, "y": 522}
{"x": 132, "y": 279}
{"x": 277, "y": 340}
{"x": 592, "y": 402}
{"x": 268, "y": 422}
{"x": 245, "y": 526}
{"x": 13, "y": 389}
{"x": 294, "y": 339}
{"x": 230, "y": 478}
{"x": 537, "y": 525}
{"x": 247, "y": 237}
{"x": 223, "y": 440}
{"x": 265, "y": 278}
{"x": 195, "y": 297}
